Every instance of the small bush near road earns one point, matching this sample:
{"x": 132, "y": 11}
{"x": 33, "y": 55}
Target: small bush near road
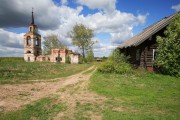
{"x": 116, "y": 63}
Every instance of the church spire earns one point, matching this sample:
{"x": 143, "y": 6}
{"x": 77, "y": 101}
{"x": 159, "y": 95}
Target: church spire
{"x": 32, "y": 18}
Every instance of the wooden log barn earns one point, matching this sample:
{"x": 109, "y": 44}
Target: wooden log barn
{"x": 142, "y": 47}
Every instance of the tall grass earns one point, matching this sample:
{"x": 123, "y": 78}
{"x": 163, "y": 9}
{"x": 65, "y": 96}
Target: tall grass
{"x": 15, "y": 70}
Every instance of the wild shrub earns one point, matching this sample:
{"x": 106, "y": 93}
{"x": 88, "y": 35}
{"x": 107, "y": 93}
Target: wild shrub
{"x": 90, "y": 56}
{"x": 168, "y": 58}
{"x": 83, "y": 60}
{"x": 68, "y": 59}
{"x": 106, "y": 67}
{"x": 117, "y": 63}
{"x": 122, "y": 68}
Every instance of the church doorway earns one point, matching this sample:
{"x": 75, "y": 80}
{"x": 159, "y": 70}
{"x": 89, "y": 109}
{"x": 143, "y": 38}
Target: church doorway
{"x": 28, "y": 59}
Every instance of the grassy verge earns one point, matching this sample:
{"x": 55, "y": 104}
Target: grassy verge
{"x": 138, "y": 96}
{"x": 15, "y": 70}
{"x": 88, "y": 71}
{"x": 43, "y": 109}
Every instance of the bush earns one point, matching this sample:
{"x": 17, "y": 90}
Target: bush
{"x": 116, "y": 63}
{"x": 168, "y": 58}
{"x": 106, "y": 67}
{"x": 90, "y": 56}
{"x": 83, "y": 60}
{"x": 123, "y": 68}
{"x": 68, "y": 59}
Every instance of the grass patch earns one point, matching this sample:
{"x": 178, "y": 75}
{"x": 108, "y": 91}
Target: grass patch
{"x": 15, "y": 70}
{"x": 88, "y": 71}
{"x": 82, "y": 110}
{"x": 43, "y": 109}
{"x": 138, "y": 96}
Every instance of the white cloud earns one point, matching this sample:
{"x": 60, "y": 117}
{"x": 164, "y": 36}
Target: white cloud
{"x": 11, "y": 43}
{"x": 142, "y": 18}
{"x": 61, "y": 19}
{"x": 107, "y": 6}
{"x": 176, "y": 7}
{"x": 64, "y": 2}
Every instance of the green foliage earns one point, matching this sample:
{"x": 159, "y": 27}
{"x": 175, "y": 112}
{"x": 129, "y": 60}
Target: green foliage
{"x": 106, "y": 67}
{"x": 123, "y": 67}
{"x": 138, "y": 96}
{"x": 81, "y": 37}
{"x": 90, "y": 56}
{"x": 68, "y": 59}
{"x": 52, "y": 42}
{"x": 44, "y": 109}
{"x": 168, "y": 51}
{"x": 82, "y": 60}
{"x": 116, "y": 63}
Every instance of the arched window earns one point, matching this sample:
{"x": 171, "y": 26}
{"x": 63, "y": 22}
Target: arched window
{"x": 28, "y": 51}
{"x": 28, "y": 41}
{"x": 30, "y": 29}
{"x": 36, "y": 42}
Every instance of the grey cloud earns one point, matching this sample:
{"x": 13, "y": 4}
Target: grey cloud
{"x": 9, "y": 39}
{"x": 17, "y": 13}
{"x": 10, "y": 52}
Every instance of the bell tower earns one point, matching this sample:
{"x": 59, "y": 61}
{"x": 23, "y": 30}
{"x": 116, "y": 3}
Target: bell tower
{"x": 32, "y": 42}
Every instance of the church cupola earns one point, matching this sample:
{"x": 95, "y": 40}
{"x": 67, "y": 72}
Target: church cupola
{"x": 32, "y": 18}
{"x": 32, "y": 27}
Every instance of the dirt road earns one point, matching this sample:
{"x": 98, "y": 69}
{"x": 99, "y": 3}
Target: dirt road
{"x": 72, "y": 90}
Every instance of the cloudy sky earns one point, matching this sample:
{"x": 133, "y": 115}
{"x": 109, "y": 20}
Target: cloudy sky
{"x": 113, "y": 21}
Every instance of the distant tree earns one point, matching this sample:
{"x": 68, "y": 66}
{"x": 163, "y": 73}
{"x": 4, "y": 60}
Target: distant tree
{"x": 168, "y": 51}
{"x": 90, "y": 55}
{"x": 81, "y": 37}
{"x": 68, "y": 59}
{"x": 52, "y": 42}
{"x": 104, "y": 58}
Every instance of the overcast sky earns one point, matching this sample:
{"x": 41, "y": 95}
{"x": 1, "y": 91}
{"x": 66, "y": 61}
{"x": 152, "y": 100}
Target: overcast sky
{"x": 113, "y": 21}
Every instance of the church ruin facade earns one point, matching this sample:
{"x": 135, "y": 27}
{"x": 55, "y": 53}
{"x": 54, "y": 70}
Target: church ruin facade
{"x": 33, "y": 51}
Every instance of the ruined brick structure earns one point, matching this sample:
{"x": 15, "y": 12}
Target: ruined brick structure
{"x": 33, "y": 51}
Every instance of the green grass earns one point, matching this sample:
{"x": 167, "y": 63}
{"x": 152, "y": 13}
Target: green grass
{"x": 138, "y": 96}
{"x": 15, "y": 70}
{"x": 43, "y": 109}
{"x": 82, "y": 110}
{"x": 88, "y": 71}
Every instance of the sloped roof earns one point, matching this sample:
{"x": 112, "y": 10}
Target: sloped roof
{"x": 147, "y": 32}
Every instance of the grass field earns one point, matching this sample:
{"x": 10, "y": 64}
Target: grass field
{"x": 139, "y": 96}
{"x": 43, "y": 109}
{"x": 15, "y": 70}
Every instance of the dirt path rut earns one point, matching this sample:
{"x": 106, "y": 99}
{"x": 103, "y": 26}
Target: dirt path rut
{"x": 72, "y": 90}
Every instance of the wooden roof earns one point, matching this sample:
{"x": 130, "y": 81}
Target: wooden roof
{"x": 147, "y": 32}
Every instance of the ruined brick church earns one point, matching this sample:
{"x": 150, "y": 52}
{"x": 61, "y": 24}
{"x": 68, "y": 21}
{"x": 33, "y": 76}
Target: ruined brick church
{"x": 33, "y": 51}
